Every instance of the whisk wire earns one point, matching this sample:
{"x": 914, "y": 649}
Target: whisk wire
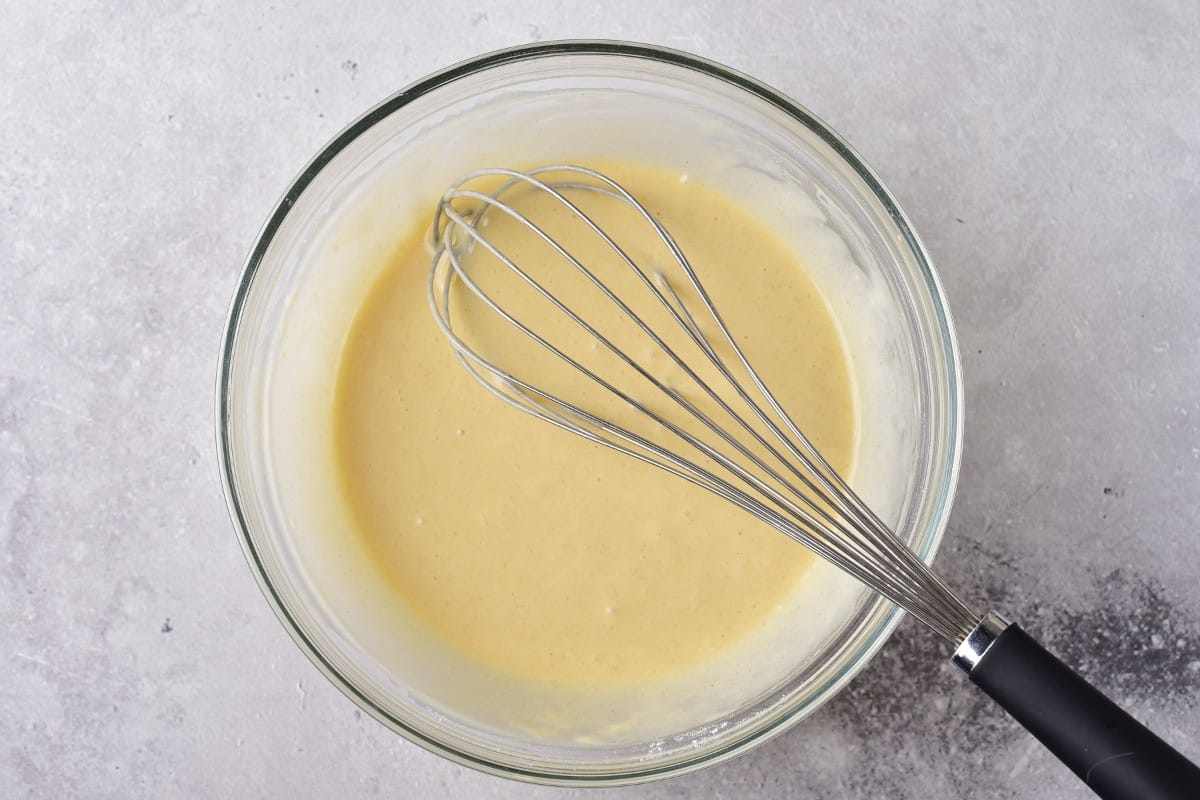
{"x": 830, "y": 518}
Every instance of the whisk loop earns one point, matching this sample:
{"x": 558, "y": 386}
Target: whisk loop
{"x": 751, "y": 452}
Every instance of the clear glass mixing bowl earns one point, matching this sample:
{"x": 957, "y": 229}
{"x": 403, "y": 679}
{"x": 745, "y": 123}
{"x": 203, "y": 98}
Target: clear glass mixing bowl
{"x": 420, "y": 134}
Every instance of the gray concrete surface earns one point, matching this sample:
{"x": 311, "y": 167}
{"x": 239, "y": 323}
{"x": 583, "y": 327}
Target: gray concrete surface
{"x": 1049, "y": 155}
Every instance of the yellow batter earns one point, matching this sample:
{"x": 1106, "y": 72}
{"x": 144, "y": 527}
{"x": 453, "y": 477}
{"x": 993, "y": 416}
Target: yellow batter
{"x": 550, "y": 558}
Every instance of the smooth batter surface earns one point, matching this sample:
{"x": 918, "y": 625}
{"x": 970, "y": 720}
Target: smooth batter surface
{"x": 542, "y": 555}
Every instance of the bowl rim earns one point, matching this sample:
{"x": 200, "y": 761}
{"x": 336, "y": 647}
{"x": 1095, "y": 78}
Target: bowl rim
{"x": 945, "y": 483}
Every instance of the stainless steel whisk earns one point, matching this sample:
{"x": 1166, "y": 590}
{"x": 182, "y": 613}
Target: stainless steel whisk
{"x": 732, "y": 436}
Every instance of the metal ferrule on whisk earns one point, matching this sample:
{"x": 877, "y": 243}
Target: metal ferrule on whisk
{"x": 979, "y": 641}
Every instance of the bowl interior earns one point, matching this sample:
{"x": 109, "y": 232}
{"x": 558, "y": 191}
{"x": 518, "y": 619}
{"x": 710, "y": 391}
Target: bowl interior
{"x": 336, "y": 227}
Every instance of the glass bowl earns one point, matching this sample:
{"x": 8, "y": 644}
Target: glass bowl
{"x": 543, "y": 103}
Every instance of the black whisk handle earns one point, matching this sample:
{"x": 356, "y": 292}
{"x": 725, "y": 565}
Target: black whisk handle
{"x": 1114, "y": 754}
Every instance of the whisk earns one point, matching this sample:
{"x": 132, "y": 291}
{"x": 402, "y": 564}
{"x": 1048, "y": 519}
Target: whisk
{"x": 691, "y": 403}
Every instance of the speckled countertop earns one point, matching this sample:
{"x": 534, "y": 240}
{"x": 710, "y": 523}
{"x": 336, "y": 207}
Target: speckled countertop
{"x": 1049, "y": 156}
